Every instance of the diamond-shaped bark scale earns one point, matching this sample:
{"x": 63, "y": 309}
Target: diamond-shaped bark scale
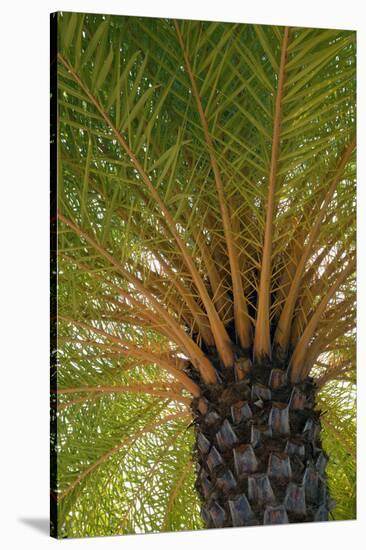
{"x": 245, "y": 460}
{"x": 277, "y": 378}
{"x": 297, "y": 400}
{"x": 226, "y": 437}
{"x": 218, "y": 515}
{"x": 260, "y": 489}
{"x": 261, "y": 392}
{"x": 203, "y": 443}
{"x": 258, "y": 434}
{"x": 311, "y": 483}
{"x": 214, "y": 459}
{"x": 279, "y": 419}
{"x": 321, "y": 514}
{"x": 226, "y": 482}
{"x": 240, "y": 510}
{"x": 295, "y": 499}
{"x": 239, "y": 411}
{"x": 311, "y": 429}
{"x": 295, "y": 448}
{"x": 321, "y": 463}
{"x": 275, "y": 515}
{"x": 279, "y": 466}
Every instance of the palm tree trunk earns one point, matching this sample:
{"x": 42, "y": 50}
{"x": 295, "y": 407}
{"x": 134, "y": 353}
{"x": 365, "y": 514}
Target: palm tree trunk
{"x": 258, "y": 450}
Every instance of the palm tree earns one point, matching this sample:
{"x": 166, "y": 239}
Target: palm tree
{"x": 205, "y": 237}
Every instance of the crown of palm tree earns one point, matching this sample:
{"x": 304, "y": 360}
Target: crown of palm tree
{"x": 206, "y": 205}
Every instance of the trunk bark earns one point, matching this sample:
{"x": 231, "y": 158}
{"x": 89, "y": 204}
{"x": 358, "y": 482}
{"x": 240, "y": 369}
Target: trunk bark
{"x": 258, "y": 449}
